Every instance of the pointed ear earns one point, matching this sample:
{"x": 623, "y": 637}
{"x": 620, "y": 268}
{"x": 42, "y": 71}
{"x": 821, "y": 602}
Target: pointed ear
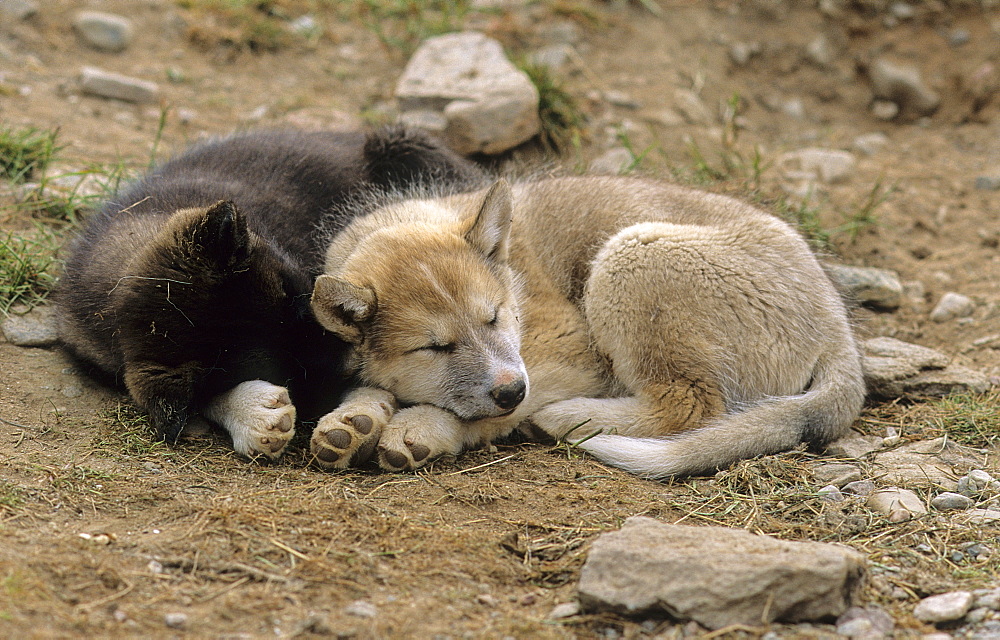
{"x": 490, "y": 232}
{"x": 341, "y": 307}
{"x": 221, "y": 236}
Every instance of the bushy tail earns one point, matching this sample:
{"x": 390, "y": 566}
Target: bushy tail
{"x": 822, "y": 414}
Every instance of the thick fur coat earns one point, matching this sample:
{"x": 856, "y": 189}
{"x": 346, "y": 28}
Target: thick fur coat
{"x": 667, "y": 331}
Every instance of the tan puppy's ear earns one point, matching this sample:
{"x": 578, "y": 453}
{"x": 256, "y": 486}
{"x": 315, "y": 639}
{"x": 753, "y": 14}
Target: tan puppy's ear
{"x": 490, "y": 231}
{"x": 342, "y": 307}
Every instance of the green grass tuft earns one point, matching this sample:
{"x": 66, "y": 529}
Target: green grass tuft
{"x": 25, "y": 153}
{"x": 27, "y": 268}
{"x": 561, "y": 117}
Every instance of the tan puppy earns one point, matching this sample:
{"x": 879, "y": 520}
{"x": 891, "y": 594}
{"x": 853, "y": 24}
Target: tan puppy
{"x": 688, "y": 330}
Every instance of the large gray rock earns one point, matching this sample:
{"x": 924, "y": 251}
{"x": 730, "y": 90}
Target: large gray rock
{"x": 903, "y": 85}
{"x": 716, "y": 576}
{"x": 877, "y": 288}
{"x": 116, "y": 86}
{"x": 896, "y": 369}
{"x": 486, "y": 104}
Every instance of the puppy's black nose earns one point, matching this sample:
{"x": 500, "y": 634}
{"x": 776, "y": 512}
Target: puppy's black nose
{"x": 508, "y": 396}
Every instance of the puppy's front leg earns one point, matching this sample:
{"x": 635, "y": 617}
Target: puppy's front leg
{"x": 418, "y": 435}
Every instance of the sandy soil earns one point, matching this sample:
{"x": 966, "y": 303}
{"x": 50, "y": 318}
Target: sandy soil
{"x": 107, "y": 534}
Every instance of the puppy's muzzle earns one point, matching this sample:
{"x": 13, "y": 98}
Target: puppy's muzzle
{"x": 507, "y": 396}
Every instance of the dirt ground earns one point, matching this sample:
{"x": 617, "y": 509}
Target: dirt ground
{"x": 109, "y": 535}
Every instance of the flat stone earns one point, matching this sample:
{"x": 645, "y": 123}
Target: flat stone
{"x": 489, "y": 105}
{"x": 952, "y": 305}
{"x": 893, "y": 359}
{"x": 36, "y": 328}
{"x": 361, "y": 609}
{"x": 870, "y": 143}
{"x": 564, "y": 610}
{"x": 927, "y": 463}
{"x": 854, "y": 447}
{"x": 898, "y": 504}
{"x": 105, "y": 84}
{"x": 903, "y": 85}
{"x": 103, "y": 31}
{"x": 877, "y": 288}
{"x": 944, "y": 607}
{"x": 716, "y": 576}
{"x": 836, "y": 474}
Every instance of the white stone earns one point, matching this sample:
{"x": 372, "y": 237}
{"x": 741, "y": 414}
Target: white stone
{"x": 564, "y": 610}
{"x": 944, "y": 607}
{"x": 870, "y": 143}
{"x": 361, "y": 609}
{"x": 826, "y": 165}
{"x": 103, "y": 31}
{"x": 118, "y": 87}
{"x": 612, "y": 162}
{"x": 488, "y": 104}
{"x": 952, "y": 305}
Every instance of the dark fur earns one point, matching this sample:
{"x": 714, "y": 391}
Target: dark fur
{"x": 183, "y": 306}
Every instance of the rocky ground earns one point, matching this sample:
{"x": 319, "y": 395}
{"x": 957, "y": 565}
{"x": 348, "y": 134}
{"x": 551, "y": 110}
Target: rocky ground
{"x": 875, "y": 125}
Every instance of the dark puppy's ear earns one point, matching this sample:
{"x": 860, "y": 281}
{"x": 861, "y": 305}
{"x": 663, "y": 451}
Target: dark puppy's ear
{"x": 166, "y": 393}
{"x": 221, "y": 236}
{"x": 341, "y": 307}
{"x": 490, "y": 231}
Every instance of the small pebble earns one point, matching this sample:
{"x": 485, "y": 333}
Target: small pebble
{"x": 988, "y": 183}
{"x": 564, "y": 610}
{"x": 176, "y": 620}
{"x": 949, "y": 501}
{"x": 361, "y": 609}
{"x": 859, "y": 488}
{"x": 959, "y": 37}
{"x": 831, "y": 493}
{"x": 486, "y": 599}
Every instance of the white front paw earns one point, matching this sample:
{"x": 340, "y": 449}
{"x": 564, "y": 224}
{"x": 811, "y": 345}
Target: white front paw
{"x": 258, "y": 415}
{"x": 348, "y": 434}
{"x": 418, "y": 435}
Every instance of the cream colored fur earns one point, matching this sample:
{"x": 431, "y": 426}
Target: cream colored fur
{"x": 686, "y": 330}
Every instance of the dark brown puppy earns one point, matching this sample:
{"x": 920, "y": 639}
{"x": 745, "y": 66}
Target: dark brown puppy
{"x": 192, "y": 285}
